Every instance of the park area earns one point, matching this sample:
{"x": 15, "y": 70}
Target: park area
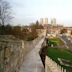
{"x": 54, "y": 42}
{"x": 61, "y": 56}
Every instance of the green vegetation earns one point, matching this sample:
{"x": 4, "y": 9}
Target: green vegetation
{"x": 25, "y": 33}
{"x": 55, "y": 53}
{"x": 54, "y": 42}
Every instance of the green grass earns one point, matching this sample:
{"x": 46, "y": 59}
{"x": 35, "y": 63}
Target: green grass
{"x": 54, "y": 42}
{"x": 55, "y": 53}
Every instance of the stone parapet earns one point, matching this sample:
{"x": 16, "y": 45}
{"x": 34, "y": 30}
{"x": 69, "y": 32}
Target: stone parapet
{"x": 12, "y": 53}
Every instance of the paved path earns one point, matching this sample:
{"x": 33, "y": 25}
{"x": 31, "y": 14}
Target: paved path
{"x": 32, "y": 61}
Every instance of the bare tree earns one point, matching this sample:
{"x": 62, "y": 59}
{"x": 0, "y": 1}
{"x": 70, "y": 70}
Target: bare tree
{"x": 5, "y": 12}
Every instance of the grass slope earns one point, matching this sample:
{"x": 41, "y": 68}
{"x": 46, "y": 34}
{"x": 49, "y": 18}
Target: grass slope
{"x": 55, "y": 53}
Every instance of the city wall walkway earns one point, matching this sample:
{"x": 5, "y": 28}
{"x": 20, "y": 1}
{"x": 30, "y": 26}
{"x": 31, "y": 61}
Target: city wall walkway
{"x": 32, "y": 62}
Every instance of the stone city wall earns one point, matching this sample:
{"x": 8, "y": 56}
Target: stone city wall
{"x": 12, "y": 53}
{"x": 51, "y": 66}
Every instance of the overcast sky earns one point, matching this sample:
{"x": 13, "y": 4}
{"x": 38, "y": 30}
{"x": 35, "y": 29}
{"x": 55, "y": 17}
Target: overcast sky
{"x": 27, "y": 11}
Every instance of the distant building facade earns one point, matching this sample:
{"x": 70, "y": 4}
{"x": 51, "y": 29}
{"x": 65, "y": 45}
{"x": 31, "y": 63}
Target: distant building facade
{"x": 53, "y": 21}
{"x": 44, "y": 21}
{"x": 41, "y": 21}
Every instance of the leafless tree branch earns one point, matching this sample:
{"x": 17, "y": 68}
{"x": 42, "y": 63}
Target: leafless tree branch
{"x": 5, "y": 12}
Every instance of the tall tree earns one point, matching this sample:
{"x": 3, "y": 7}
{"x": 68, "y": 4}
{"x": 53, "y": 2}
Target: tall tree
{"x": 37, "y": 23}
{"x": 71, "y": 32}
{"x": 63, "y": 31}
{"x": 5, "y": 12}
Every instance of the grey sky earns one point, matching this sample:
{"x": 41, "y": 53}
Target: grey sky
{"x": 27, "y": 11}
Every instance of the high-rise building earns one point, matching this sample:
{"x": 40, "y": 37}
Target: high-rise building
{"x": 53, "y": 21}
{"x": 46, "y": 21}
{"x": 41, "y": 21}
